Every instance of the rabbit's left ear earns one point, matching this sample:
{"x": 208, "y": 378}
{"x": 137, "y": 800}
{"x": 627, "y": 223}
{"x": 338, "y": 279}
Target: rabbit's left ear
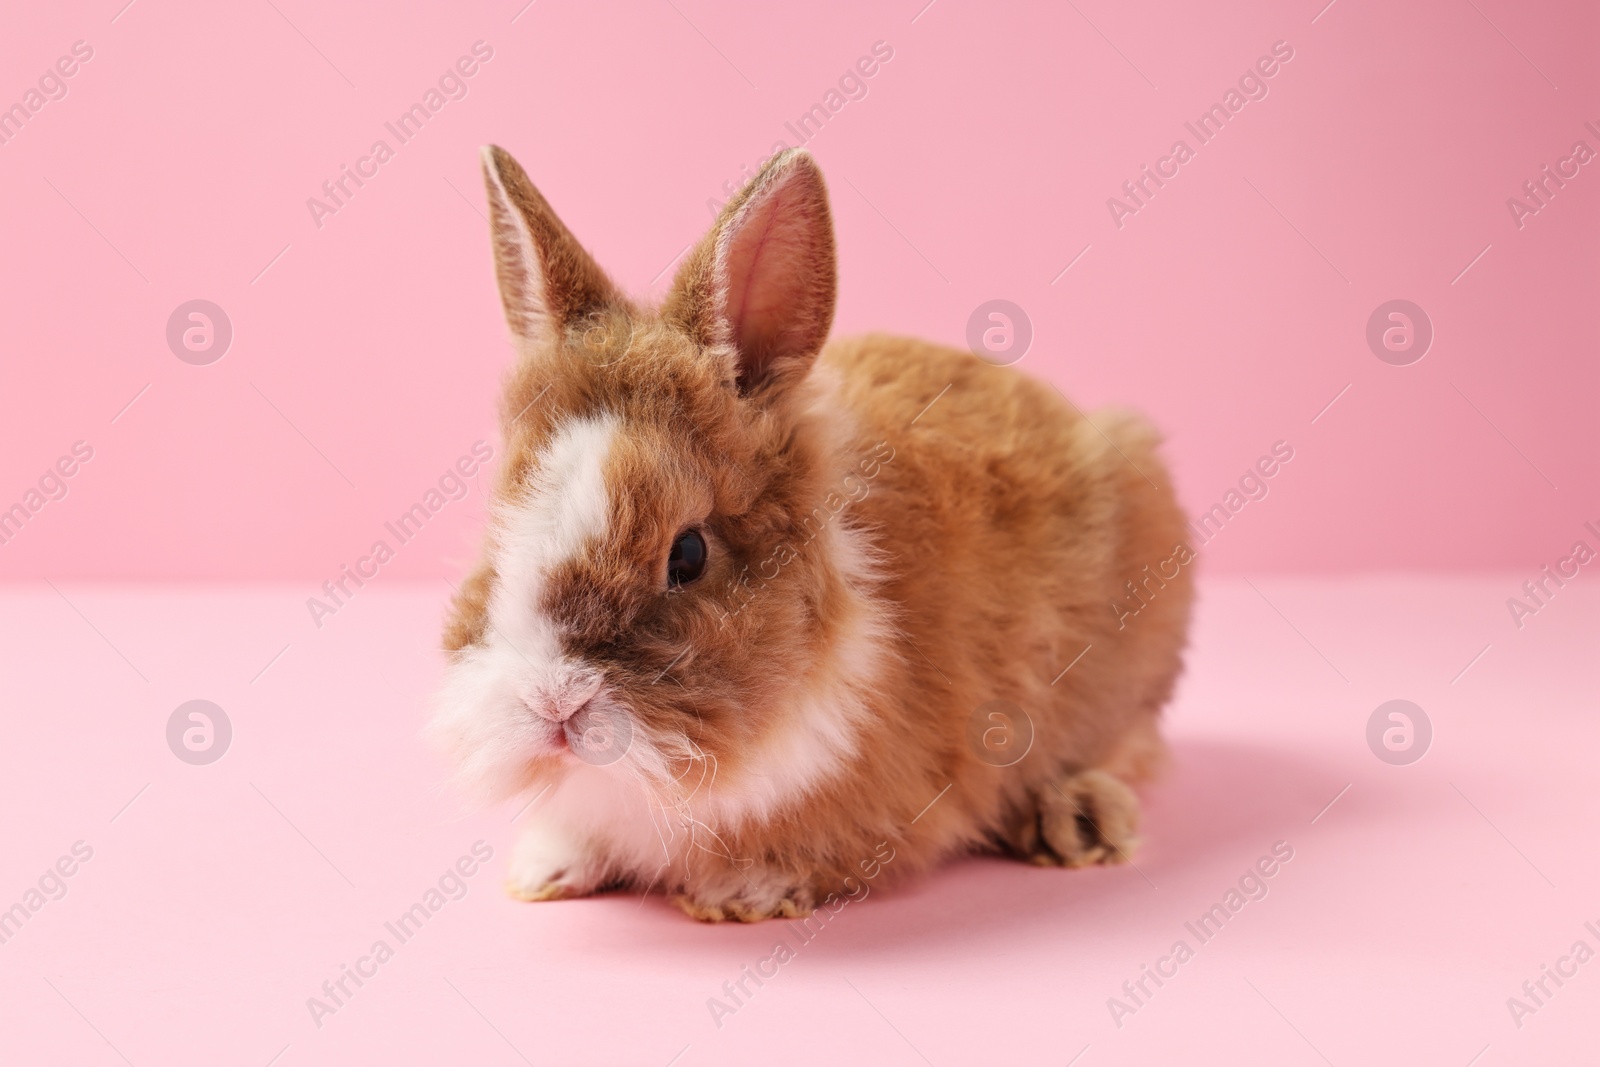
{"x": 764, "y": 280}
{"x": 546, "y": 278}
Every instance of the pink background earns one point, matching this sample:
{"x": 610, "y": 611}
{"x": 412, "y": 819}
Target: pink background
{"x": 365, "y": 360}
{"x": 989, "y": 144}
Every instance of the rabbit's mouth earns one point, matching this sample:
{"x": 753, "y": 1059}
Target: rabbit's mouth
{"x": 598, "y": 733}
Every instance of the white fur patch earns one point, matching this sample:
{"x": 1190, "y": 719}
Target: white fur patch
{"x": 486, "y": 710}
{"x": 564, "y": 507}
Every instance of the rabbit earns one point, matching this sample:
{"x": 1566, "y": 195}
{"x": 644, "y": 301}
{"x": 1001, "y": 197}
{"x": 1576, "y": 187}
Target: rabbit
{"x": 762, "y": 618}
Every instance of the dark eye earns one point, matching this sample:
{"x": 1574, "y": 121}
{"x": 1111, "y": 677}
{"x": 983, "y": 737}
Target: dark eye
{"x": 688, "y": 559}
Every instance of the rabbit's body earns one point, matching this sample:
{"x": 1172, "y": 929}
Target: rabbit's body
{"x": 937, "y": 608}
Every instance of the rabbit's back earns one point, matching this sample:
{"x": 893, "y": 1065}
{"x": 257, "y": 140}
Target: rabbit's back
{"x": 1011, "y": 524}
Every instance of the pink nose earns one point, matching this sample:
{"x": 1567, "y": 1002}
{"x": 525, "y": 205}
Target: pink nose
{"x": 561, "y": 703}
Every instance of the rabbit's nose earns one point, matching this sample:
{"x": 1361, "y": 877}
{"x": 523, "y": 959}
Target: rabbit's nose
{"x": 561, "y": 702}
{"x": 558, "y": 710}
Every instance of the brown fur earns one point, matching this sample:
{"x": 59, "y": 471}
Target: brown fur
{"x": 1000, "y": 532}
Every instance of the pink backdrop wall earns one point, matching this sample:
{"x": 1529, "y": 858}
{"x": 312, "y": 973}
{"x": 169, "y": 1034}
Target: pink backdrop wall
{"x": 1232, "y": 305}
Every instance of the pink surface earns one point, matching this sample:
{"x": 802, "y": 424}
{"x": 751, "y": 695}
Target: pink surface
{"x": 219, "y": 898}
{"x": 978, "y": 165}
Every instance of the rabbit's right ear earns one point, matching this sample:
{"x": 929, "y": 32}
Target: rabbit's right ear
{"x": 763, "y": 281}
{"x": 546, "y": 278}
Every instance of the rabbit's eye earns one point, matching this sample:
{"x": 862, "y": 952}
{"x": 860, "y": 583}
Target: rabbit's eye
{"x": 688, "y": 559}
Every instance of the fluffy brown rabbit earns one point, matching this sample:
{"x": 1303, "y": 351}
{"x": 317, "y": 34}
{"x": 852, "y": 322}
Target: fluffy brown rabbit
{"x": 760, "y": 620}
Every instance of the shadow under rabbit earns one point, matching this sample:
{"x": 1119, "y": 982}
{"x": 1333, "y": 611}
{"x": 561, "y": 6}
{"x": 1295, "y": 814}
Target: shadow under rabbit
{"x": 1218, "y": 805}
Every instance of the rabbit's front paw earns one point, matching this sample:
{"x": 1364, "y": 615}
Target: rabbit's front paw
{"x": 752, "y": 896}
{"x": 547, "y": 864}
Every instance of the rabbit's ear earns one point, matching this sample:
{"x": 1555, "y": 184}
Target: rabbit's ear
{"x": 764, "y": 279}
{"x": 546, "y": 277}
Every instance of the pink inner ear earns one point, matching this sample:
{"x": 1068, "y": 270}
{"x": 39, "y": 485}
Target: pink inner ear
{"x": 744, "y": 263}
{"x": 760, "y": 272}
